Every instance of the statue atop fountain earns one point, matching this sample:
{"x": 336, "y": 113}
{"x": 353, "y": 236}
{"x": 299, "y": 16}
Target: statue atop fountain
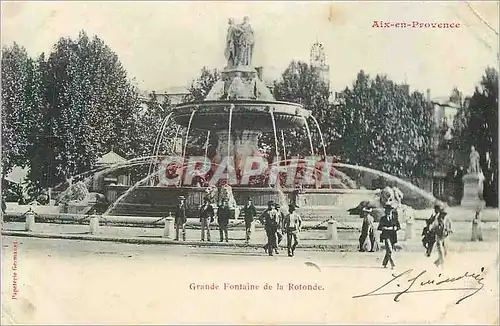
{"x": 239, "y": 107}
{"x": 473, "y": 181}
{"x": 239, "y": 43}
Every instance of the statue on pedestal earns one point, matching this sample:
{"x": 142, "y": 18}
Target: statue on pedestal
{"x": 246, "y": 42}
{"x": 473, "y": 181}
{"x": 239, "y": 43}
{"x": 474, "y": 167}
{"x": 231, "y": 47}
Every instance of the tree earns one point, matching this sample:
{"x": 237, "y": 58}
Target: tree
{"x": 383, "y": 126}
{"x": 301, "y": 84}
{"x": 16, "y": 66}
{"x": 477, "y": 125}
{"x": 90, "y": 107}
{"x": 201, "y": 86}
{"x": 21, "y": 106}
{"x": 149, "y": 123}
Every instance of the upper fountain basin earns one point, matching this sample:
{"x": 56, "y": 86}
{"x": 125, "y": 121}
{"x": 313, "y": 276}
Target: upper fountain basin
{"x": 246, "y": 115}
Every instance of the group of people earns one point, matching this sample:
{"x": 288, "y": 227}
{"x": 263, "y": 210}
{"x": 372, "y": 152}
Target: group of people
{"x": 276, "y": 222}
{"x": 206, "y": 215}
{"x": 438, "y": 228}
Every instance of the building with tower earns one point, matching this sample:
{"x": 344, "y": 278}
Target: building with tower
{"x": 318, "y": 62}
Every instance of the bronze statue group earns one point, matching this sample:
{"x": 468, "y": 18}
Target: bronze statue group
{"x": 438, "y": 228}
{"x": 276, "y": 223}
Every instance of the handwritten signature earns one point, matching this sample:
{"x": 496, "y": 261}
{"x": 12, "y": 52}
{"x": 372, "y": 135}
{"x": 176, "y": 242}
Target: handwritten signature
{"x": 426, "y": 284}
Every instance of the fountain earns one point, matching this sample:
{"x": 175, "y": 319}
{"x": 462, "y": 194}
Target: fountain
{"x": 238, "y": 110}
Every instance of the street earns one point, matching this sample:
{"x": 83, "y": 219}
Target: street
{"x": 69, "y": 281}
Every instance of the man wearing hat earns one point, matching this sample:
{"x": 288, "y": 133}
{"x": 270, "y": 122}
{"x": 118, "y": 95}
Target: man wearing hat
{"x": 249, "y": 212}
{"x": 223, "y": 214}
{"x": 180, "y": 218}
{"x": 441, "y": 227}
{"x": 292, "y": 225}
{"x": 206, "y": 215}
{"x": 281, "y": 225}
{"x": 270, "y": 221}
{"x": 389, "y": 225}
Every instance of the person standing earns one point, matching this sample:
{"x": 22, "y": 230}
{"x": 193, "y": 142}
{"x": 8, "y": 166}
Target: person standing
{"x": 206, "y": 215}
{"x": 292, "y": 226}
{"x": 477, "y": 230}
{"x": 389, "y": 225}
{"x": 4, "y": 208}
{"x": 270, "y": 221}
{"x": 223, "y": 214}
{"x": 4, "y": 205}
{"x": 249, "y": 212}
{"x": 281, "y": 223}
{"x": 367, "y": 239}
{"x": 180, "y": 218}
{"x": 442, "y": 228}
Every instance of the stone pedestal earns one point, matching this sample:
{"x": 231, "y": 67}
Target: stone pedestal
{"x": 30, "y": 221}
{"x": 473, "y": 189}
{"x": 168, "y": 231}
{"x": 94, "y": 225}
{"x": 477, "y": 231}
{"x": 331, "y": 231}
{"x": 235, "y": 212}
{"x": 409, "y": 229}
{"x": 78, "y": 208}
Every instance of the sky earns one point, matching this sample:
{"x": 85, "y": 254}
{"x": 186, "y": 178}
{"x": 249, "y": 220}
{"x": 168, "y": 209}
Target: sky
{"x": 165, "y": 44}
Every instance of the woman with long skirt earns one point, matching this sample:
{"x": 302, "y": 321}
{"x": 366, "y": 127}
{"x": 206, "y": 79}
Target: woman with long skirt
{"x": 367, "y": 239}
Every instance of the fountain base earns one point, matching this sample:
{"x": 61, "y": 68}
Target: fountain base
{"x": 238, "y": 144}
{"x": 313, "y": 204}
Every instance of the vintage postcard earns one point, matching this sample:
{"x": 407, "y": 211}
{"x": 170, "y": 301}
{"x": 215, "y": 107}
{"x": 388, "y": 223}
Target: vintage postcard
{"x": 249, "y": 162}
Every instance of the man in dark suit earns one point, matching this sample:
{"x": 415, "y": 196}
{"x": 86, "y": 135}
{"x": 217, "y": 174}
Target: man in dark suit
{"x": 180, "y": 218}
{"x": 249, "y": 212}
{"x": 206, "y": 215}
{"x": 270, "y": 221}
{"x": 223, "y": 214}
{"x": 389, "y": 225}
{"x": 281, "y": 225}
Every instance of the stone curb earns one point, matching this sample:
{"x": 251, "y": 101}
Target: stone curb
{"x": 341, "y": 247}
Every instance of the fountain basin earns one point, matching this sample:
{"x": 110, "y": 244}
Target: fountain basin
{"x": 159, "y": 201}
{"x": 246, "y": 115}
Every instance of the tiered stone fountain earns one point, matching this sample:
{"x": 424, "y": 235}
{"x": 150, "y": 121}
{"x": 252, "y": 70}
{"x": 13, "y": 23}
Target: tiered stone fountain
{"x": 238, "y": 109}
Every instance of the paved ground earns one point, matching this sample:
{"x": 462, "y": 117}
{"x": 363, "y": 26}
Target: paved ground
{"x": 315, "y": 239}
{"x": 82, "y": 282}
